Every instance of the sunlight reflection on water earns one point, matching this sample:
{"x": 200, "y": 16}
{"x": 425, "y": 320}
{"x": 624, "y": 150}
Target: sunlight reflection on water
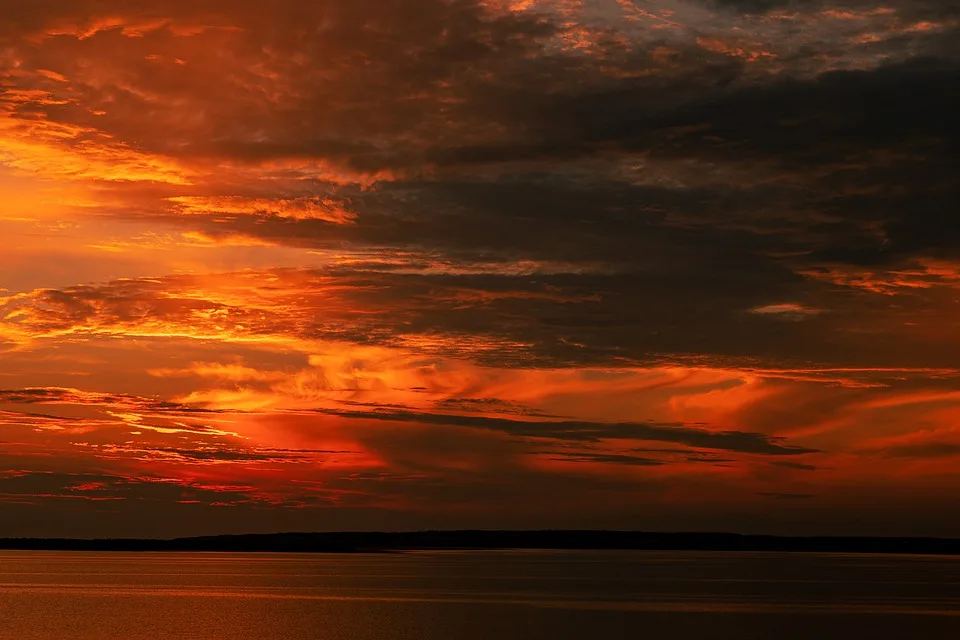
{"x": 475, "y": 595}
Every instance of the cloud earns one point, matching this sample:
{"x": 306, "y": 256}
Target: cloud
{"x": 925, "y": 450}
{"x": 487, "y": 405}
{"x": 41, "y": 488}
{"x": 556, "y": 320}
{"x": 754, "y": 6}
{"x": 787, "y": 311}
{"x": 606, "y": 458}
{"x": 53, "y": 395}
{"x": 295, "y": 208}
{"x": 794, "y": 465}
{"x": 582, "y": 431}
{"x": 217, "y": 455}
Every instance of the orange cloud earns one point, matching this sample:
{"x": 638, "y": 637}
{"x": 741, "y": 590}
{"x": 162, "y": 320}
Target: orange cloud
{"x": 314, "y": 208}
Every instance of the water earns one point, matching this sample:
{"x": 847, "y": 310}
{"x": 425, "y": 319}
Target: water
{"x": 476, "y": 595}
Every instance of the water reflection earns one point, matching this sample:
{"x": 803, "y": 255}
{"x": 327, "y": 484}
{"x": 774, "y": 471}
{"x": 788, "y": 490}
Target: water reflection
{"x": 475, "y": 595}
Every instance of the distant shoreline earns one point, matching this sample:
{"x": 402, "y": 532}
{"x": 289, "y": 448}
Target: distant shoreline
{"x": 380, "y": 542}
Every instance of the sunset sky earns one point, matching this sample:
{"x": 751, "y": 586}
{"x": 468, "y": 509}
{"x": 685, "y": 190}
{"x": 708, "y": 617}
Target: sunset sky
{"x": 404, "y": 264}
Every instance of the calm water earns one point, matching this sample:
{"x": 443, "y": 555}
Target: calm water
{"x": 476, "y": 595}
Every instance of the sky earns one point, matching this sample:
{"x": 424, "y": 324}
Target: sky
{"x": 407, "y": 264}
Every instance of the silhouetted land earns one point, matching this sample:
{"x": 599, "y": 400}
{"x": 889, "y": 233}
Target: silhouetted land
{"x": 367, "y": 542}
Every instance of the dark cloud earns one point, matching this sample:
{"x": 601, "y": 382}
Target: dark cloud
{"x": 67, "y": 485}
{"x": 909, "y": 9}
{"x": 760, "y": 6}
{"x": 788, "y": 496}
{"x": 32, "y": 487}
{"x": 850, "y": 167}
{"x": 924, "y": 450}
{"x": 487, "y": 405}
{"x": 794, "y": 465}
{"x": 822, "y": 119}
{"x": 583, "y": 431}
{"x": 56, "y": 396}
{"x": 567, "y": 319}
{"x": 376, "y": 71}
{"x": 210, "y": 454}
{"x": 606, "y": 458}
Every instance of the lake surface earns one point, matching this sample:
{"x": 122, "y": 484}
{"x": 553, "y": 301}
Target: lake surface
{"x": 505, "y": 595}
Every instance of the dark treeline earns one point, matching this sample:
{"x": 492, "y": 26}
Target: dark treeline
{"x": 354, "y": 542}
